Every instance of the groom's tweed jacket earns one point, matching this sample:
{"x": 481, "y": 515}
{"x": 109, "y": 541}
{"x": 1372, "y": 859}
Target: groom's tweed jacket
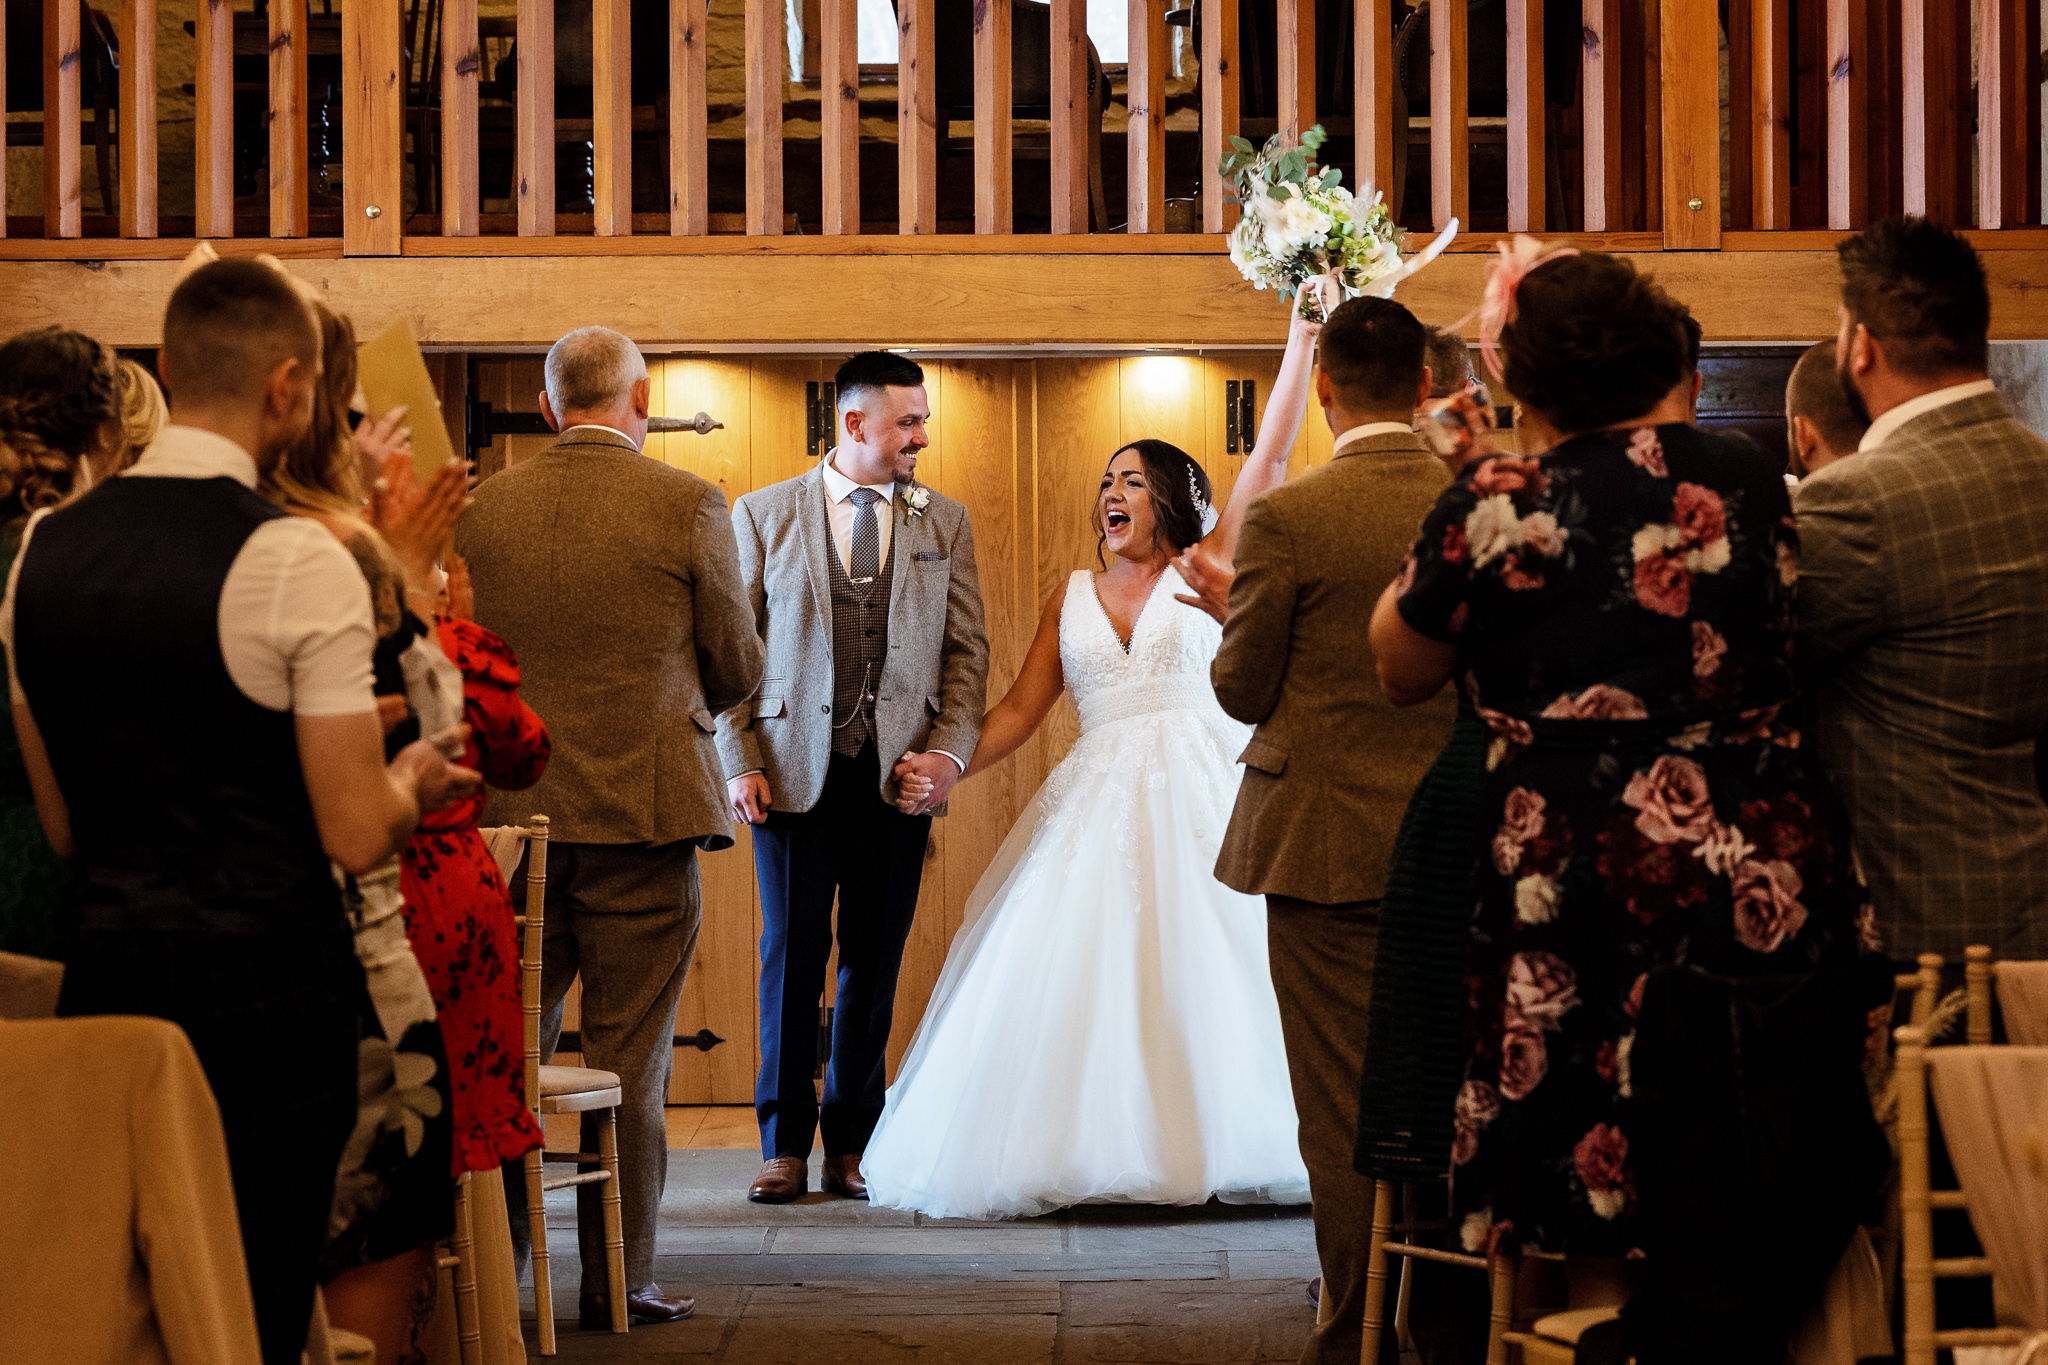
{"x": 1923, "y": 643}
{"x": 934, "y": 683}
{"x": 1332, "y": 764}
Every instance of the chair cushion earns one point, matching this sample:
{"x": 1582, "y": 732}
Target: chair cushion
{"x": 575, "y": 1080}
{"x": 1568, "y": 1327}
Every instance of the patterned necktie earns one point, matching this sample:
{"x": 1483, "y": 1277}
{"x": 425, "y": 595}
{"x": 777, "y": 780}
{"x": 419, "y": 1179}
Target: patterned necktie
{"x": 865, "y": 562}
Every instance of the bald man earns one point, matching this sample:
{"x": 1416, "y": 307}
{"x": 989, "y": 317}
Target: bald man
{"x": 1821, "y": 426}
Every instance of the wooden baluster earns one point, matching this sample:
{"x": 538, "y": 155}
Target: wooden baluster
{"x": 1450, "y": 152}
{"x": 1929, "y": 96}
{"x": 213, "y": 133}
{"x": 1220, "y": 105}
{"x": 3, "y": 136}
{"x": 138, "y": 119}
{"x": 1887, "y": 187}
{"x": 1295, "y": 72}
{"x": 1525, "y": 116}
{"x": 461, "y": 68}
{"x": 1691, "y": 141}
{"x": 1071, "y": 110}
{"x": 290, "y": 182}
{"x": 839, "y": 98}
{"x": 611, "y": 118}
{"x": 1372, "y": 77}
{"x": 1600, "y": 101}
{"x": 917, "y": 120}
{"x": 62, "y": 211}
{"x": 1770, "y": 114}
{"x": 766, "y": 58}
{"x": 1739, "y": 127}
{"x": 534, "y": 119}
{"x": 1848, "y": 100}
{"x": 992, "y": 105}
{"x": 372, "y": 127}
{"x": 688, "y": 132}
{"x": 1145, "y": 134}
{"x": 1652, "y": 73}
{"x": 2008, "y": 112}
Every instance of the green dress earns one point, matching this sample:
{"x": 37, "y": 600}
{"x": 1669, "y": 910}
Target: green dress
{"x": 36, "y": 886}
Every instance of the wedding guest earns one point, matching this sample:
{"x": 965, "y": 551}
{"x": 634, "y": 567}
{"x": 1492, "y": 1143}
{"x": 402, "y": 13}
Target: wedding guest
{"x": 1449, "y": 358}
{"x": 1821, "y": 426}
{"x": 142, "y": 415}
{"x": 1923, "y": 627}
{"x": 205, "y": 845}
{"x": 1663, "y": 856}
{"x": 615, "y": 580}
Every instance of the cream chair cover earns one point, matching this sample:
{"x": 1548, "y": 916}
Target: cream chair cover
{"x": 120, "y": 1244}
{"x": 1849, "y": 1322}
{"x": 2023, "y": 1000}
{"x": 1993, "y": 1103}
{"x": 497, "y": 1283}
{"x": 29, "y": 986}
{"x": 506, "y": 848}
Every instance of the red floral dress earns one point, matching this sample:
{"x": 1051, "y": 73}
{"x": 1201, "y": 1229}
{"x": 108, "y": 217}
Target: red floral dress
{"x": 459, "y": 915}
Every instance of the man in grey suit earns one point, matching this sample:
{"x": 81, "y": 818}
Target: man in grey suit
{"x": 862, "y": 585}
{"x": 1923, "y": 606}
{"x": 1333, "y": 762}
{"x": 615, "y": 579}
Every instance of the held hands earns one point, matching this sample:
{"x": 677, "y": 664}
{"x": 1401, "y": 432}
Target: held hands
{"x": 923, "y": 781}
{"x": 748, "y": 796}
{"x": 1209, "y": 580}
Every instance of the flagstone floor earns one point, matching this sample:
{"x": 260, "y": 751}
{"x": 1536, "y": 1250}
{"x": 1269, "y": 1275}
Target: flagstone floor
{"x": 829, "y": 1281}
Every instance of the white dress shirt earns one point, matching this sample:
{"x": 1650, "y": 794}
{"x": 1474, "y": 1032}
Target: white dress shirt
{"x": 1881, "y": 428}
{"x": 1359, "y": 433}
{"x": 839, "y": 502}
{"x": 296, "y": 627}
{"x": 599, "y": 426}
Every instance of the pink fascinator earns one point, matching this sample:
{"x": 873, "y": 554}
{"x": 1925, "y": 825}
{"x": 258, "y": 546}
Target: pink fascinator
{"x": 1503, "y": 279}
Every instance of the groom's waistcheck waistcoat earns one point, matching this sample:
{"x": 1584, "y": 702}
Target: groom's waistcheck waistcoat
{"x": 860, "y": 642}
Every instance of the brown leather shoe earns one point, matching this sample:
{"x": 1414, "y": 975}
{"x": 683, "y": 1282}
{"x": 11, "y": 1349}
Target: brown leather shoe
{"x": 784, "y": 1180}
{"x": 842, "y": 1176}
{"x": 643, "y": 1306}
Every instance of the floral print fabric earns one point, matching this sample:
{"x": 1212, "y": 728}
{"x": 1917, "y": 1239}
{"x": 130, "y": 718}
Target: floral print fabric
{"x": 1622, "y": 608}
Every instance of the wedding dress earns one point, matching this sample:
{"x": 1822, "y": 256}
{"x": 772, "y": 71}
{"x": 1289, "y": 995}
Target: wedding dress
{"x": 1105, "y": 1028}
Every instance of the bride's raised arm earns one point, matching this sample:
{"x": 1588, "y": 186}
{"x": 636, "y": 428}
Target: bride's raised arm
{"x": 1266, "y": 466}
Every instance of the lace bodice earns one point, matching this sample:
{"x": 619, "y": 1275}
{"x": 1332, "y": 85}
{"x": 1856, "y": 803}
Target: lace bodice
{"x": 1166, "y": 667}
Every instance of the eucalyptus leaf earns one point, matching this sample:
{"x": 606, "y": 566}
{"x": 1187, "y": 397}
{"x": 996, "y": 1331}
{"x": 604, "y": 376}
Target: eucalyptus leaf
{"x": 1240, "y": 144}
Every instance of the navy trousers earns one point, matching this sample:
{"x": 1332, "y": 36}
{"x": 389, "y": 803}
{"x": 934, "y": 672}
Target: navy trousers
{"x": 870, "y": 856}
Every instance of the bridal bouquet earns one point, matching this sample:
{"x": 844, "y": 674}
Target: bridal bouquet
{"x": 1299, "y": 222}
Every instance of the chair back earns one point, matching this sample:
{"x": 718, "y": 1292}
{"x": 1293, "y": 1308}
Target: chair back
{"x": 529, "y": 950}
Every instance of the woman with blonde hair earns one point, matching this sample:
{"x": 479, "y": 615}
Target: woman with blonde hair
{"x": 142, "y": 415}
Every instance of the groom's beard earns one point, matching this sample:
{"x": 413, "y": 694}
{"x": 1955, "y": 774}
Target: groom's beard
{"x": 1857, "y": 407}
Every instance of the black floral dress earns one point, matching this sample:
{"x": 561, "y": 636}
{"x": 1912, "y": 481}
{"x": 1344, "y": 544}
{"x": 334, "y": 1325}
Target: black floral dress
{"x": 1622, "y": 607}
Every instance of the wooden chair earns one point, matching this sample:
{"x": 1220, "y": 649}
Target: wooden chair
{"x": 1554, "y": 1340}
{"x": 564, "y": 1090}
{"x": 1926, "y": 987}
{"x": 1502, "y": 1267}
{"x": 461, "y": 1262}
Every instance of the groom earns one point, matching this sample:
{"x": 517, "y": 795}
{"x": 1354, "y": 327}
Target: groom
{"x": 865, "y": 595}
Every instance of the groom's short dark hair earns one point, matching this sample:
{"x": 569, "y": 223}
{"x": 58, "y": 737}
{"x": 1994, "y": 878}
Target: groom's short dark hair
{"x": 1373, "y": 351}
{"x": 875, "y": 370}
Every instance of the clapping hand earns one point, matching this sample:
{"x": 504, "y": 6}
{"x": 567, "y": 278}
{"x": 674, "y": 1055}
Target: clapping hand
{"x": 416, "y": 520}
{"x": 378, "y": 439}
{"x": 1208, "y": 580}
{"x": 459, "y": 597}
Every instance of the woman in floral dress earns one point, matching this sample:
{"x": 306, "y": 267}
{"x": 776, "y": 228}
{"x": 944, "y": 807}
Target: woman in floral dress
{"x": 1618, "y": 610}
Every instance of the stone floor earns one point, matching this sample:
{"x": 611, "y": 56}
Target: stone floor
{"x": 829, "y": 1281}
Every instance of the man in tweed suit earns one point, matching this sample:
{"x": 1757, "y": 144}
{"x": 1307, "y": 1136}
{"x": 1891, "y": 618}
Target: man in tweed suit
{"x": 1333, "y": 762}
{"x": 615, "y": 580}
{"x": 862, "y": 585}
{"x": 1923, "y": 606}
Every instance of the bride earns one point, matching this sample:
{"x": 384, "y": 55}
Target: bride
{"x": 1105, "y": 1028}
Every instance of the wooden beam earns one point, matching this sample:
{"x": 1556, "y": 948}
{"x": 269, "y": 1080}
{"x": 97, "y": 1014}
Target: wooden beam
{"x": 461, "y": 63}
{"x": 839, "y": 104}
{"x": 372, "y": 127}
{"x": 1929, "y": 96}
{"x": 917, "y": 119}
{"x": 2008, "y": 111}
{"x": 1295, "y": 77}
{"x": 63, "y": 211}
{"x": 138, "y": 119}
{"x": 1526, "y": 171}
{"x": 1600, "y": 103}
{"x": 689, "y": 194}
{"x": 1691, "y": 115}
{"x": 1220, "y": 109}
{"x": 291, "y": 182}
{"x": 534, "y": 118}
{"x": 1740, "y": 160}
{"x": 1071, "y": 111}
{"x": 1145, "y": 134}
{"x": 213, "y": 133}
{"x": 992, "y": 105}
{"x": 1848, "y": 87}
{"x": 611, "y": 122}
{"x": 1372, "y": 76}
{"x": 766, "y": 67}
{"x": 1450, "y": 151}
{"x": 1770, "y": 113}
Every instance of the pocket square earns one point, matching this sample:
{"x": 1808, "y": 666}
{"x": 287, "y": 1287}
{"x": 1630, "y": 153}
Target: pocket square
{"x": 928, "y": 557}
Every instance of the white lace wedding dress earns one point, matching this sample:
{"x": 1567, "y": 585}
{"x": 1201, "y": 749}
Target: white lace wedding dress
{"x": 1105, "y": 1028}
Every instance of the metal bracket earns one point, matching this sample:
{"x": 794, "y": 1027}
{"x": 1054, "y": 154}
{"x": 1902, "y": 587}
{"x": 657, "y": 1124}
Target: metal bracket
{"x": 485, "y": 424}
{"x": 703, "y": 1040}
{"x": 1230, "y": 417}
{"x": 821, "y": 417}
{"x": 1247, "y": 416}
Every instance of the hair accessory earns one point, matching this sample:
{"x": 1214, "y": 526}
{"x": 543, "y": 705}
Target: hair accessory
{"x": 1203, "y": 511}
{"x": 1503, "y": 278}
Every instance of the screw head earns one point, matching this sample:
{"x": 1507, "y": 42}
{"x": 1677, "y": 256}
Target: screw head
{"x": 1695, "y": 204}
{"x": 372, "y": 211}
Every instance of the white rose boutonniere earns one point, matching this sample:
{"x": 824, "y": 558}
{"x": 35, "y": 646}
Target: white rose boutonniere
{"x": 915, "y": 499}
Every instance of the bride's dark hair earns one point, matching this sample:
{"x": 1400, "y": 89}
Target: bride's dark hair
{"x": 1171, "y": 480}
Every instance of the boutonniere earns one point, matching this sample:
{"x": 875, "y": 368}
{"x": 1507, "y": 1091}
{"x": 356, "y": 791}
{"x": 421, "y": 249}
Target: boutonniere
{"x": 915, "y": 499}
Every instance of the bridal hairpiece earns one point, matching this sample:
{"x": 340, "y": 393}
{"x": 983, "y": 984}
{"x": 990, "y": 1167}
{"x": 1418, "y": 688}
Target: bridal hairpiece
{"x": 1203, "y": 510}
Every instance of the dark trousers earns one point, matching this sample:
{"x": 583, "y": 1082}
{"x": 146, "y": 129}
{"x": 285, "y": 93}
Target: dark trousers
{"x": 871, "y": 856}
{"x": 274, "y": 1022}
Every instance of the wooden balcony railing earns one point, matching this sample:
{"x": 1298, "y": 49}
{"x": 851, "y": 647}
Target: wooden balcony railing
{"x": 1840, "y": 111}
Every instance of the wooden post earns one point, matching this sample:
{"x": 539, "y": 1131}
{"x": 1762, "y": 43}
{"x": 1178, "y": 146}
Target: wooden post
{"x": 1373, "y": 96}
{"x": 1977, "y": 973}
{"x": 1915, "y": 1204}
{"x": 917, "y": 119}
{"x": 213, "y": 133}
{"x": 535, "y": 118}
{"x": 1383, "y": 1193}
{"x": 992, "y": 105}
{"x": 2008, "y": 112}
{"x": 688, "y": 133}
{"x": 839, "y": 105}
{"x": 1450, "y": 153}
{"x": 1526, "y": 171}
{"x": 372, "y": 127}
{"x": 1502, "y": 1269}
{"x": 62, "y": 211}
{"x": 1929, "y": 117}
{"x": 766, "y": 61}
{"x": 3, "y": 137}
{"x": 1600, "y": 100}
{"x": 1691, "y": 140}
{"x": 1145, "y": 134}
{"x": 1881, "y": 41}
{"x": 138, "y": 119}
{"x": 1770, "y": 114}
{"x": 1295, "y": 75}
{"x": 461, "y": 61}
{"x": 611, "y": 118}
{"x": 1739, "y": 127}
{"x": 1848, "y": 87}
{"x": 290, "y": 181}
{"x": 1220, "y": 104}
{"x": 1652, "y": 73}
{"x": 1071, "y": 110}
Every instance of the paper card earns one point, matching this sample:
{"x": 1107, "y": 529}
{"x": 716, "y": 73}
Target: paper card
{"x": 393, "y": 373}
